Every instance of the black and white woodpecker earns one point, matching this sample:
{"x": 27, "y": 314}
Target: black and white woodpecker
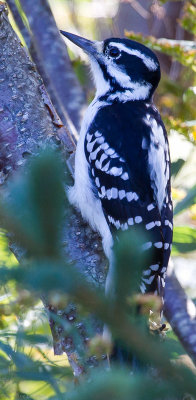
{"x": 122, "y": 164}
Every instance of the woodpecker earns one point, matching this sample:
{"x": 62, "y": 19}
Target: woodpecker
{"x": 122, "y": 163}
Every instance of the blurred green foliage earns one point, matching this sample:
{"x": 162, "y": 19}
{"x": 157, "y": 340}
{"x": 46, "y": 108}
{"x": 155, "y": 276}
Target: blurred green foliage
{"x": 188, "y": 21}
{"x": 181, "y": 51}
{"x": 188, "y": 201}
{"x": 7, "y": 258}
{"x": 184, "y": 240}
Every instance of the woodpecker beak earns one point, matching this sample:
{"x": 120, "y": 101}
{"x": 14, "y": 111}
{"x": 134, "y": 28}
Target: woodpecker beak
{"x": 88, "y": 46}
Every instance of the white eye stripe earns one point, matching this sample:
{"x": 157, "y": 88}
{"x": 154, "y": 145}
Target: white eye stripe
{"x": 148, "y": 61}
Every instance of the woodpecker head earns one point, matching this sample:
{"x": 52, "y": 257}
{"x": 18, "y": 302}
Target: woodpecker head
{"x": 121, "y": 68}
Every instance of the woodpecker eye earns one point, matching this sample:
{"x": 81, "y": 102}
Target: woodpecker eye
{"x": 113, "y": 52}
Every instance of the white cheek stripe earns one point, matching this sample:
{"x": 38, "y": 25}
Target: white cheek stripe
{"x": 149, "y": 62}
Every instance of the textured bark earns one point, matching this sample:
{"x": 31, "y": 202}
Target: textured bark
{"x": 25, "y": 126}
{"x": 28, "y": 123}
{"x": 24, "y": 119}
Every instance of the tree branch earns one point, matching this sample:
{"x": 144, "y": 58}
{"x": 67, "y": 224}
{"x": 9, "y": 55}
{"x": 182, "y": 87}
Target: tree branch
{"x": 180, "y": 313}
{"x": 18, "y": 19}
{"x": 59, "y": 78}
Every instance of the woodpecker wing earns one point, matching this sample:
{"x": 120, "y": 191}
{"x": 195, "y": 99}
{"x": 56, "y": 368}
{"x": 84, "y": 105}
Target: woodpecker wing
{"x": 129, "y": 169}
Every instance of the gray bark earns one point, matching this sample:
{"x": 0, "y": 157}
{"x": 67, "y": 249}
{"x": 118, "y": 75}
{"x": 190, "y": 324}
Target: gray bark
{"x": 25, "y": 127}
{"x": 24, "y": 119}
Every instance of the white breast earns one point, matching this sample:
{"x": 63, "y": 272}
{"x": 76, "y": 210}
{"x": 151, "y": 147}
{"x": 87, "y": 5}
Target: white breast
{"x": 81, "y": 194}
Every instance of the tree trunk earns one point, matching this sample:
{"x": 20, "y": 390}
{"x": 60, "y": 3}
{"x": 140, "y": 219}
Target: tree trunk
{"x": 26, "y": 126}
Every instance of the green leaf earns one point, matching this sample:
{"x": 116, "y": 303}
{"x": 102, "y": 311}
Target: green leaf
{"x": 188, "y": 21}
{"x": 184, "y": 240}
{"x": 187, "y": 202}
